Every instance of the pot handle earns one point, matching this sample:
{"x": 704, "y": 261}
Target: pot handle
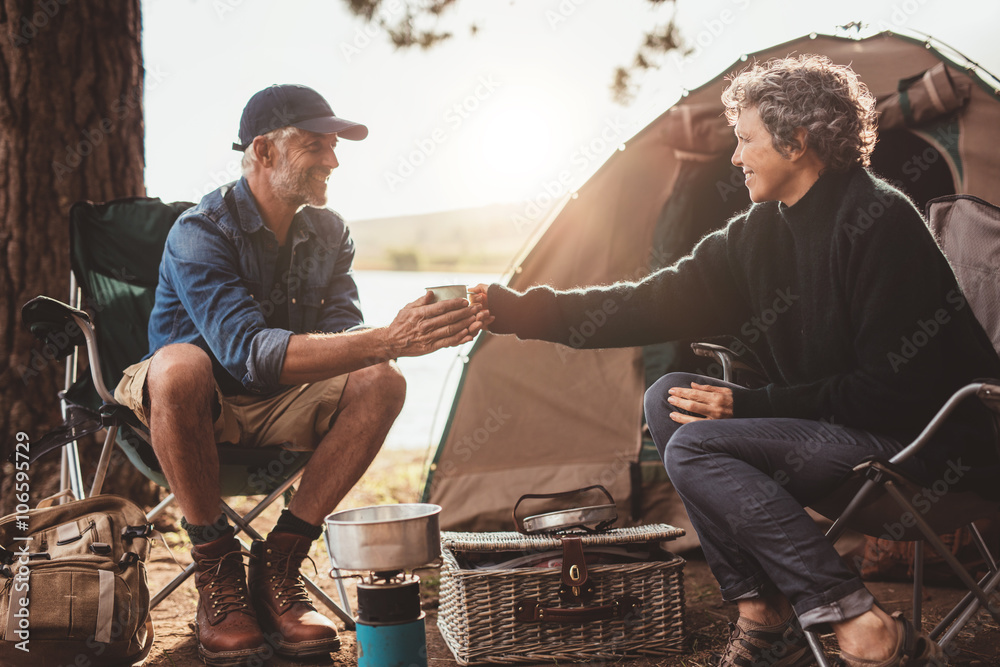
{"x": 530, "y": 610}
{"x": 519, "y": 523}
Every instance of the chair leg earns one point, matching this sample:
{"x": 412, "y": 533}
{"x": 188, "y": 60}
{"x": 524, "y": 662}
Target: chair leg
{"x": 71, "y": 476}
{"x": 970, "y": 609}
{"x": 156, "y": 511}
{"x": 342, "y": 614}
{"x": 918, "y": 583}
{"x": 104, "y": 461}
{"x": 817, "y": 649}
{"x": 943, "y": 551}
{"x": 980, "y": 543}
{"x": 172, "y": 586}
{"x": 840, "y": 525}
{"x": 242, "y": 524}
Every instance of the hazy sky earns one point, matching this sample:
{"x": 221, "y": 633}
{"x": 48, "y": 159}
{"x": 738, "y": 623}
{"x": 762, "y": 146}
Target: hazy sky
{"x": 479, "y": 119}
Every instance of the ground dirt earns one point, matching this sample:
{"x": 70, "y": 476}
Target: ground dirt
{"x": 395, "y": 477}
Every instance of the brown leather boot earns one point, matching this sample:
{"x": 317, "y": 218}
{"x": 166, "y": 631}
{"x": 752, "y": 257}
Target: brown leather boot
{"x": 228, "y": 633}
{"x": 280, "y": 599}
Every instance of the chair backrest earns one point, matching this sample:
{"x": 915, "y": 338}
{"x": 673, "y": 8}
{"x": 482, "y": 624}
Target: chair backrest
{"x": 968, "y": 231}
{"x": 115, "y": 251}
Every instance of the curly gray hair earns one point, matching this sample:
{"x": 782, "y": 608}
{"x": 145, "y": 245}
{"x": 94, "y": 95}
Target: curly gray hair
{"x": 808, "y": 91}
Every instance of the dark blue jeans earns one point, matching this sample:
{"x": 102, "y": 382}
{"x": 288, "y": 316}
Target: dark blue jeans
{"x": 745, "y": 483}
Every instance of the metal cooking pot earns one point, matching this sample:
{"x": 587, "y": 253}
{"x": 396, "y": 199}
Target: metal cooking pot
{"x": 384, "y": 538}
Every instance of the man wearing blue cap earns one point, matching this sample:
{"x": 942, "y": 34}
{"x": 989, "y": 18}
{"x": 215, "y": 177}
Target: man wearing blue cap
{"x": 257, "y": 338}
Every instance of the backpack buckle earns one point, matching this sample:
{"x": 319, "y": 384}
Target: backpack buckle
{"x": 128, "y": 560}
{"x": 132, "y": 532}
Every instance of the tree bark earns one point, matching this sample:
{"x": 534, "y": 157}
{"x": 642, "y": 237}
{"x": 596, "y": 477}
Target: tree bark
{"x": 71, "y": 128}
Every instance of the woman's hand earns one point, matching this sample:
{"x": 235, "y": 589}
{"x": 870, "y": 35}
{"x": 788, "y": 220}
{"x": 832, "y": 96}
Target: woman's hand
{"x": 477, "y": 295}
{"x": 702, "y": 399}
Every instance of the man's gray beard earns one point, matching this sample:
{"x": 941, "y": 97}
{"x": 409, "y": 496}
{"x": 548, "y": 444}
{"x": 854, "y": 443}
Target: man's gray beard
{"x": 294, "y": 187}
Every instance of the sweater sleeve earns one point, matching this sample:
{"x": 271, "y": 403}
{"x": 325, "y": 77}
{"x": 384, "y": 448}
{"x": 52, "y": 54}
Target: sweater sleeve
{"x": 901, "y": 295}
{"x": 697, "y": 296}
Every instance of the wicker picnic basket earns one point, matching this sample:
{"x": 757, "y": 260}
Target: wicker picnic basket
{"x": 520, "y": 614}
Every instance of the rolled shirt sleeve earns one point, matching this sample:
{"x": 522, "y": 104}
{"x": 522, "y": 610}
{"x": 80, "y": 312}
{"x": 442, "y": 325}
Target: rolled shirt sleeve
{"x": 200, "y": 273}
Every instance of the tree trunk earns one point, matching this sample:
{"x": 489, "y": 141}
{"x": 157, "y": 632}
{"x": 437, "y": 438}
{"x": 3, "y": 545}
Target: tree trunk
{"x": 71, "y": 128}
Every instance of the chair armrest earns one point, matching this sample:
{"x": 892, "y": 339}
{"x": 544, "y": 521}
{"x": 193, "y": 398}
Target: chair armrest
{"x": 729, "y": 361}
{"x": 55, "y": 322}
{"x": 988, "y": 393}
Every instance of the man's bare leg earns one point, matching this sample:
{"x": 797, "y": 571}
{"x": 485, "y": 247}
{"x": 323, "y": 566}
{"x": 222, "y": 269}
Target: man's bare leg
{"x": 771, "y": 609}
{"x": 368, "y": 407}
{"x": 181, "y": 389}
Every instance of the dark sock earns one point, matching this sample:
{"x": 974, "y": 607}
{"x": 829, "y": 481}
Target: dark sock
{"x": 289, "y": 523}
{"x": 204, "y": 534}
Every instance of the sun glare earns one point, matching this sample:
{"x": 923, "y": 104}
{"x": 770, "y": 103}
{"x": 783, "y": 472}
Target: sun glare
{"x": 516, "y": 145}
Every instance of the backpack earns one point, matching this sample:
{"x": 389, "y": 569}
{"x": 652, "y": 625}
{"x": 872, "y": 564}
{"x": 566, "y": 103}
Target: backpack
{"x": 73, "y": 580}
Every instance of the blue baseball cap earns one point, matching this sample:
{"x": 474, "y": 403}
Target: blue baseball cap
{"x": 291, "y": 104}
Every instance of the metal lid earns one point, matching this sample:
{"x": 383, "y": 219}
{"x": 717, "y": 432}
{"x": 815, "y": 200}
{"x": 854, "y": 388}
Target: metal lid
{"x": 594, "y": 517}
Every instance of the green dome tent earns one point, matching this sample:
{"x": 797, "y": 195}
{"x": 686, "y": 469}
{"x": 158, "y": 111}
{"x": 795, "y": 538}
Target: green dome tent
{"x": 535, "y": 417}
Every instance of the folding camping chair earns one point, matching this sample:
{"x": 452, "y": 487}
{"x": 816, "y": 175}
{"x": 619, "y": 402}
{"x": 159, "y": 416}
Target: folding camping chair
{"x": 968, "y": 231}
{"x": 115, "y": 253}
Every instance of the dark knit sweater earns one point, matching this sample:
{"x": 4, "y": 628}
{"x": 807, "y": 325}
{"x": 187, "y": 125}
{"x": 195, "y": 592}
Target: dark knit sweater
{"x": 844, "y": 298}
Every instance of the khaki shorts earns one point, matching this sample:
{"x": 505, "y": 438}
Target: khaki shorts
{"x": 297, "y": 418}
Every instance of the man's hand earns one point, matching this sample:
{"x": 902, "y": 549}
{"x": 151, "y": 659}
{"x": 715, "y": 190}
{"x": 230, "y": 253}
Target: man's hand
{"x": 703, "y": 399}
{"x": 479, "y": 298}
{"x": 422, "y": 327}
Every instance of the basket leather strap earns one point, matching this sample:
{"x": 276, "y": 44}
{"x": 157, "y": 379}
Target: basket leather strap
{"x": 575, "y": 588}
{"x": 531, "y": 610}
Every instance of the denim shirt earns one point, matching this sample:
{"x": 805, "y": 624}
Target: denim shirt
{"x": 217, "y": 268}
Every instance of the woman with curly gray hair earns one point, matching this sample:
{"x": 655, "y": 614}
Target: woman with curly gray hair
{"x": 820, "y": 280}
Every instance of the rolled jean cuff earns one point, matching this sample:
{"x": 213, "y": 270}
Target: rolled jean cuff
{"x": 851, "y": 599}
{"x": 750, "y": 588}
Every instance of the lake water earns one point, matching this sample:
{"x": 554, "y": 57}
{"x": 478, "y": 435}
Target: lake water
{"x": 431, "y": 380}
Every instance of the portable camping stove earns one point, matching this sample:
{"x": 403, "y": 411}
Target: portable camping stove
{"x": 390, "y": 623}
{"x": 386, "y": 542}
